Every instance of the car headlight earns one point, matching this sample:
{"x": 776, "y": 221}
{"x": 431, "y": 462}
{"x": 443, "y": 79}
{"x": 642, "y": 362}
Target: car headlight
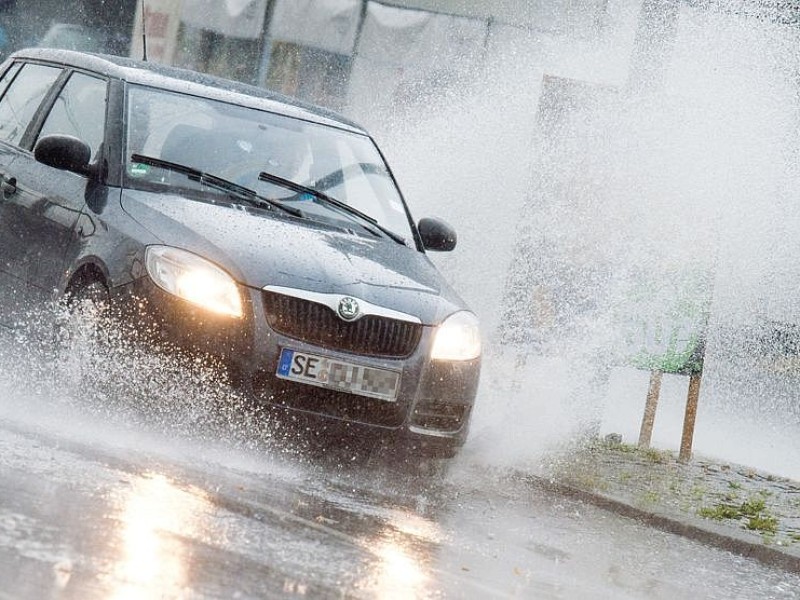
{"x": 457, "y": 338}
{"x": 194, "y": 279}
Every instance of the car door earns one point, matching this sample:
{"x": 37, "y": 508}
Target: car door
{"x": 47, "y": 204}
{"x": 25, "y": 88}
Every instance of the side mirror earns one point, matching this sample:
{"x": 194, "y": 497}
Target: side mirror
{"x": 437, "y": 235}
{"x": 64, "y": 152}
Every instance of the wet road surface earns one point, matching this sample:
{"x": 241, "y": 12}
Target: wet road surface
{"x": 92, "y": 510}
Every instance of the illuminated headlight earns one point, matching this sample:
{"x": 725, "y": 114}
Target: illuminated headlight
{"x": 457, "y": 338}
{"x": 194, "y": 279}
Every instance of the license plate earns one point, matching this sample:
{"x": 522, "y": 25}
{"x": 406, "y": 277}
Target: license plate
{"x": 333, "y": 374}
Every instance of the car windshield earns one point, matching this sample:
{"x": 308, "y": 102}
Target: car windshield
{"x": 238, "y": 143}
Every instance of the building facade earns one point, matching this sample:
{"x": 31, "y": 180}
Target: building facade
{"x": 101, "y": 25}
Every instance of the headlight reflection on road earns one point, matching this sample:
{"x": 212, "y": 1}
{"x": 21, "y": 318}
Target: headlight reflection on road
{"x": 402, "y": 567}
{"x": 154, "y": 514}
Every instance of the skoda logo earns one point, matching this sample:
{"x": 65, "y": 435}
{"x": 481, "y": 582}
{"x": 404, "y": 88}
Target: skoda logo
{"x": 349, "y": 309}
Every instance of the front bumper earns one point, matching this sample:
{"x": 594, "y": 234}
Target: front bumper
{"x": 434, "y": 402}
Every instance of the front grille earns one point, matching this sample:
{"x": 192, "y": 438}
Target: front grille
{"x": 317, "y": 324}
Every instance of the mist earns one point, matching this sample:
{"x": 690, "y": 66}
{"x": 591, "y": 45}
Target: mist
{"x": 678, "y": 181}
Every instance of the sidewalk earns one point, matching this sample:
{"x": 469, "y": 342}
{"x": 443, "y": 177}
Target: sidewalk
{"x": 730, "y": 506}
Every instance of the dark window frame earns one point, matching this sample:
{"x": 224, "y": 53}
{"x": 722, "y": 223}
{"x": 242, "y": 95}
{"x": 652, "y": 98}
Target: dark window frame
{"x": 37, "y": 122}
{"x": 24, "y": 141}
{"x": 62, "y": 86}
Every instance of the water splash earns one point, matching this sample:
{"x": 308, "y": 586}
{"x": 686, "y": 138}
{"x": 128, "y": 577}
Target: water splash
{"x": 87, "y": 370}
{"x": 575, "y": 186}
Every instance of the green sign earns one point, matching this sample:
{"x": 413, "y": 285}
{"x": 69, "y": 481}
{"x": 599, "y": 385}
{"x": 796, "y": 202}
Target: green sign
{"x": 664, "y": 321}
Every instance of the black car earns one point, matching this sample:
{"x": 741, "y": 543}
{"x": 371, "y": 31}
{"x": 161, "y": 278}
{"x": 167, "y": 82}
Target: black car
{"x": 267, "y": 234}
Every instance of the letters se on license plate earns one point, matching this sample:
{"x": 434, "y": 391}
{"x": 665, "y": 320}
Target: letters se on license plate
{"x": 338, "y": 375}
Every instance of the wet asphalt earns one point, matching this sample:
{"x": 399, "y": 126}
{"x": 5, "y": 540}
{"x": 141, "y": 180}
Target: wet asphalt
{"x": 93, "y": 510}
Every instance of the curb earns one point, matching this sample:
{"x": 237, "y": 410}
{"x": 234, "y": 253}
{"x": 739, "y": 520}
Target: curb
{"x": 709, "y": 533}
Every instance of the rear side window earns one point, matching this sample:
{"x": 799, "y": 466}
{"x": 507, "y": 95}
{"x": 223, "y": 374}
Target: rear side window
{"x": 8, "y": 77}
{"x": 79, "y": 111}
{"x": 22, "y": 98}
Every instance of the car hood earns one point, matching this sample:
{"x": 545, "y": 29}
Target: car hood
{"x": 260, "y": 248}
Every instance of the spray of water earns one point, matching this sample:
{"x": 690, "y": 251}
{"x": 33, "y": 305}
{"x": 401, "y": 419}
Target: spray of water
{"x": 601, "y": 213}
{"x": 95, "y": 379}
{"x": 90, "y": 377}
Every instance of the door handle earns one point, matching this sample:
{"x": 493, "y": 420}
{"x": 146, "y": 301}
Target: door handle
{"x": 8, "y": 185}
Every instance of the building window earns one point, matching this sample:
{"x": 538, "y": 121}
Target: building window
{"x": 418, "y": 57}
{"x": 310, "y": 74}
{"x": 311, "y": 48}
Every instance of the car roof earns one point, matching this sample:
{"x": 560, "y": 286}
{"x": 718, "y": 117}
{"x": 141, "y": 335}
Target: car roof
{"x": 189, "y": 82}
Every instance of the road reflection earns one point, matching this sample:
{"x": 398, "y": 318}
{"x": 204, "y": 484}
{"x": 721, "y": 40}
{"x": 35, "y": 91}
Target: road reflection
{"x": 155, "y": 511}
{"x": 402, "y": 568}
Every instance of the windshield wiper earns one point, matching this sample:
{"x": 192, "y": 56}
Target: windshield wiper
{"x": 338, "y": 204}
{"x": 235, "y": 190}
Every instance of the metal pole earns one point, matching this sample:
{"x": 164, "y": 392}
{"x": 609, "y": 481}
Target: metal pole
{"x": 690, "y": 417}
{"x": 266, "y": 46}
{"x": 144, "y": 32}
{"x": 653, "y": 392}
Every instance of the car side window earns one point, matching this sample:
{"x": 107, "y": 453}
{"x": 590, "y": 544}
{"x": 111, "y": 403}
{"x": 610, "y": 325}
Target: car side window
{"x": 22, "y": 98}
{"x": 79, "y": 111}
{"x": 8, "y": 77}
